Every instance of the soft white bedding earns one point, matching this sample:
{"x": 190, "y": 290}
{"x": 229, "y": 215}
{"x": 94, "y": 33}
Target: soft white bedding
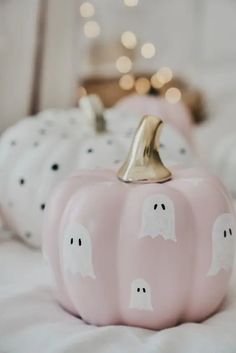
{"x": 32, "y": 322}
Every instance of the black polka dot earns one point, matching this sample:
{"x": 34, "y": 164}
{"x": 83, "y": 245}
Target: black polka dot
{"x": 182, "y": 150}
{"x": 42, "y": 131}
{"x": 42, "y": 206}
{"x": 162, "y": 145}
{"x": 225, "y": 234}
{"x": 36, "y": 144}
{"x": 89, "y": 150}
{"x": 28, "y": 235}
{"x": 163, "y": 206}
{"x": 109, "y": 142}
{"x": 13, "y": 143}
{"x": 117, "y": 161}
{"x": 22, "y": 181}
{"x": 55, "y": 167}
{"x": 138, "y": 289}
{"x": 155, "y": 206}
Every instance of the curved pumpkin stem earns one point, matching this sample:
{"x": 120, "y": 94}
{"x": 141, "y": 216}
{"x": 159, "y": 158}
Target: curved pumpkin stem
{"x": 143, "y": 164}
{"x": 94, "y": 109}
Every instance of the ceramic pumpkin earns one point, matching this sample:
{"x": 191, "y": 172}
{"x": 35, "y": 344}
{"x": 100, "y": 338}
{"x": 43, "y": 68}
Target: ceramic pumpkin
{"x": 37, "y": 153}
{"x": 148, "y": 246}
{"x": 177, "y": 136}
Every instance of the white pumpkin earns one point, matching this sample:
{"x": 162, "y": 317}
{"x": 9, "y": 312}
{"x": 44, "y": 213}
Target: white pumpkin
{"x": 38, "y": 152}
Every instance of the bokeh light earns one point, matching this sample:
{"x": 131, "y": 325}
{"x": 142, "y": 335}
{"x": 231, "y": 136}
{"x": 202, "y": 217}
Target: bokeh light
{"x": 142, "y": 85}
{"x": 129, "y": 40}
{"x": 126, "y": 82}
{"x": 148, "y": 50}
{"x": 156, "y": 83}
{"x": 123, "y": 64}
{"x": 87, "y": 9}
{"x": 173, "y": 95}
{"x": 92, "y": 29}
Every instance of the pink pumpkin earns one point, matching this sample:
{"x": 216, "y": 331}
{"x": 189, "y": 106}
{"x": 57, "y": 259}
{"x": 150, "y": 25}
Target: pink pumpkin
{"x": 149, "y": 248}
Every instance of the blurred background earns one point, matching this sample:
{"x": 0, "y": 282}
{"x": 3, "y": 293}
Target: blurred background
{"x": 54, "y": 51}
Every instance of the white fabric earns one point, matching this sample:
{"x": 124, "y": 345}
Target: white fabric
{"x": 31, "y": 321}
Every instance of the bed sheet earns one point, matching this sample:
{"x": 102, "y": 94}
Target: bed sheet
{"x": 31, "y": 321}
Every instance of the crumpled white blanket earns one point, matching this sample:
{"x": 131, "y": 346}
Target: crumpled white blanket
{"x": 31, "y": 321}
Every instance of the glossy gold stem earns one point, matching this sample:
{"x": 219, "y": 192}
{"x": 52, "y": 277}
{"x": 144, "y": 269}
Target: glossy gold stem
{"x": 92, "y": 107}
{"x": 143, "y": 164}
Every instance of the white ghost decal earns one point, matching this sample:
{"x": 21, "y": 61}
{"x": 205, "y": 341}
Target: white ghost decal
{"x": 77, "y": 251}
{"x": 140, "y": 297}
{"x": 223, "y": 244}
{"x": 158, "y": 217}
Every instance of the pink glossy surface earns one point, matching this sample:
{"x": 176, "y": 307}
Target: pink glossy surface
{"x": 175, "y": 270}
{"x": 176, "y": 114}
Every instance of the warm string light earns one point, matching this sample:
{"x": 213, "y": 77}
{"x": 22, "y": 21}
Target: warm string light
{"x": 87, "y": 10}
{"x": 161, "y": 77}
{"x": 124, "y": 64}
{"x": 142, "y": 85}
{"x": 173, "y": 95}
{"x": 129, "y": 40}
{"x": 126, "y": 82}
{"x": 92, "y": 29}
{"x": 148, "y": 50}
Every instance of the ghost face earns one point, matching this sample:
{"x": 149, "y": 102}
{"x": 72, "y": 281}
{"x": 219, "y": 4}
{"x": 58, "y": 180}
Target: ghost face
{"x": 140, "y": 297}
{"x": 223, "y": 244}
{"x": 158, "y": 217}
{"x": 77, "y": 251}
{"x": 174, "y": 147}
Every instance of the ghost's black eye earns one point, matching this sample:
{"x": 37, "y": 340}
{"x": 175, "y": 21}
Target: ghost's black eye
{"x": 144, "y": 290}
{"x": 71, "y": 240}
{"x": 225, "y": 234}
{"x": 138, "y": 289}
{"x": 80, "y": 242}
{"x": 230, "y": 231}
{"x": 182, "y": 150}
{"x": 163, "y": 206}
{"x": 42, "y": 206}
{"x": 155, "y": 206}
{"x": 89, "y": 150}
{"x": 21, "y": 181}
